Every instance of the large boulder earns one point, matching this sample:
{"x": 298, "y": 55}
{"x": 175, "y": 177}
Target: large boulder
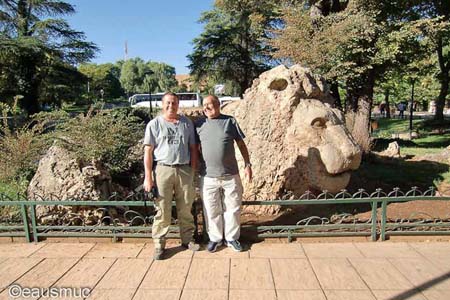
{"x": 62, "y": 177}
{"x": 296, "y": 139}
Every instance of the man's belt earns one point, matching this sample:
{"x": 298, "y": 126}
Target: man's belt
{"x": 172, "y": 166}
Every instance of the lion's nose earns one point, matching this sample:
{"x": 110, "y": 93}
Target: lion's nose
{"x": 341, "y": 153}
{"x": 351, "y": 153}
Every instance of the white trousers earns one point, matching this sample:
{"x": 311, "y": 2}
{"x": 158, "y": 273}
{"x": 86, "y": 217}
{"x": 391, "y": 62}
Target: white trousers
{"x": 222, "y": 199}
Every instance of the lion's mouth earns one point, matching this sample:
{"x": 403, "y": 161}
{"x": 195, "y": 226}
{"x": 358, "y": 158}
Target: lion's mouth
{"x": 321, "y": 179}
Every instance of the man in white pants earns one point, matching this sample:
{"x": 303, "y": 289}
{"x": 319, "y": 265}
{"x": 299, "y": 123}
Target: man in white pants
{"x": 221, "y": 187}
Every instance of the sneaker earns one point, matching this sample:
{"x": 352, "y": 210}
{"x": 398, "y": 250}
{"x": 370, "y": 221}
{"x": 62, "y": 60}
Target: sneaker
{"x": 159, "y": 254}
{"x": 235, "y": 245}
{"x": 193, "y": 246}
{"x": 212, "y": 246}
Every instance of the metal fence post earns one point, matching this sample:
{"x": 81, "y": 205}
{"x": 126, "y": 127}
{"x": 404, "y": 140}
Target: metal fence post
{"x": 374, "y": 205}
{"x": 25, "y": 222}
{"x": 383, "y": 220}
{"x": 33, "y": 222}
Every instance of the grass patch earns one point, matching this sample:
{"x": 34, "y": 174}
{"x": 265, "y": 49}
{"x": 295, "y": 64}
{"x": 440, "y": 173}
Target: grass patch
{"x": 388, "y": 173}
{"x": 73, "y": 108}
{"x": 433, "y": 141}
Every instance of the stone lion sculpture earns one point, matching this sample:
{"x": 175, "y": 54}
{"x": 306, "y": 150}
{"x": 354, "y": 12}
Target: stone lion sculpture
{"x": 297, "y": 141}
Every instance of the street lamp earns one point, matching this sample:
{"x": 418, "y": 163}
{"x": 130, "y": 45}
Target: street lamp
{"x": 411, "y": 104}
{"x": 413, "y": 77}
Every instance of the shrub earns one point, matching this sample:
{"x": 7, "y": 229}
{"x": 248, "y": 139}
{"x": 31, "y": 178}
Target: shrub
{"x": 104, "y": 135}
{"x": 21, "y": 149}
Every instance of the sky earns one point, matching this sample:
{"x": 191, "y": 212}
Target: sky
{"x": 157, "y": 30}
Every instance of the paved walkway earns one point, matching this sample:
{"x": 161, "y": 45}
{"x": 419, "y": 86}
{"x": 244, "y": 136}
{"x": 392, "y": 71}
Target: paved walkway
{"x": 312, "y": 271}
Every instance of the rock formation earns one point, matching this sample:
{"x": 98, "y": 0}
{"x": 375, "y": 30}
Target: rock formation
{"x": 393, "y": 150}
{"x": 297, "y": 141}
{"x": 61, "y": 177}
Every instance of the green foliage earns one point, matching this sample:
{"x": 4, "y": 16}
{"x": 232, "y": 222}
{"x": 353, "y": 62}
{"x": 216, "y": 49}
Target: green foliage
{"x": 232, "y": 45}
{"x": 21, "y": 149}
{"x": 137, "y": 76}
{"x": 104, "y": 135}
{"x": 37, "y": 51}
{"x": 102, "y": 77}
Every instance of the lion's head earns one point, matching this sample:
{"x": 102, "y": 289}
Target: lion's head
{"x": 296, "y": 140}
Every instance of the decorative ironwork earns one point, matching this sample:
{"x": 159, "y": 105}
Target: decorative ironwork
{"x": 132, "y": 215}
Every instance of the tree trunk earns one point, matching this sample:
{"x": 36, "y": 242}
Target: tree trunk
{"x": 358, "y": 118}
{"x": 31, "y": 91}
{"x": 444, "y": 79}
{"x": 440, "y": 103}
{"x": 388, "y": 107}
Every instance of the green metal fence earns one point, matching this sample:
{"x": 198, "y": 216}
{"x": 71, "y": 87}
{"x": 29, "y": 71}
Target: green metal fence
{"x": 133, "y": 216}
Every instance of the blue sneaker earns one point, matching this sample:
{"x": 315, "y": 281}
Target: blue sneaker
{"x": 212, "y": 246}
{"x": 235, "y": 245}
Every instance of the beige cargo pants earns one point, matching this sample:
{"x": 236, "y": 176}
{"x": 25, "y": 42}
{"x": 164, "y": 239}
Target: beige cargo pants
{"x": 178, "y": 182}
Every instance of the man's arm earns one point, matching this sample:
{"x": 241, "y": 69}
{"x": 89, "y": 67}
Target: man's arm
{"x": 194, "y": 156}
{"x": 244, "y": 151}
{"x": 148, "y": 167}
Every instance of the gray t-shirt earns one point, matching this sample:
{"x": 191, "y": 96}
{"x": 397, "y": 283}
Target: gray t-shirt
{"x": 217, "y": 138}
{"x": 171, "y": 141}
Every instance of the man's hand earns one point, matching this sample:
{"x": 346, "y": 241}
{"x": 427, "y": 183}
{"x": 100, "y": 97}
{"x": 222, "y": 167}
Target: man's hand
{"x": 148, "y": 184}
{"x": 248, "y": 173}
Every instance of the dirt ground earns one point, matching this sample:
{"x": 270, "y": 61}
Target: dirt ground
{"x": 403, "y": 210}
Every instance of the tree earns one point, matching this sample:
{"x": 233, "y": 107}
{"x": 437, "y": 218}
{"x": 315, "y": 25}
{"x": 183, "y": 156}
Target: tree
{"x": 138, "y": 76}
{"x": 32, "y": 40}
{"x": 232, "y": 45}
{"x": 103, "y": 77}
{"x": 354, "y": 42}
{"x": 436, "y": 28}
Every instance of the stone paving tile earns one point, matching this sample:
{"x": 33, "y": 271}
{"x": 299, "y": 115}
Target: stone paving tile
{"x": 166, "y": 274}
{"x": 208, "y": 274}
{"x": 111, "y": 294}
{"x": 387, "y": 250}
{"x": 172, "y": 251}
{"x": 349, "y": 295}
{"x": 19, "y": 249}
{"x": 13, "y": 268}
{"x": 380, "y": 274}
{"x": 300, "y": 295}
{"x": 63, "y": 250}
{"x": 125, "y": 274}
{"x": 145, "y": 294}
{"x": 252, "y": 294}
{"x": 204, "y": 294}
{"x": 442, "y": 263}
{"x": 399, "y": 294}
{"x": 423, "y": 274}
{"x": 263, "y": 250}
{"x": 47, "y": 272}
{"x": 332, "y": 250}
{"x": 250, "y": 274}
{"x": 437, "y": 295}
{"x": 337, "y": 274}
{"x": 293, "y": 274}
{"x": 114, "y": 250}
{"x": 86, "y": 273}
{"x": 435, "y": 249}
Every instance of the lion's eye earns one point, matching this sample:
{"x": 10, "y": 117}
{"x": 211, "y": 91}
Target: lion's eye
{"x": 319, "y": 123}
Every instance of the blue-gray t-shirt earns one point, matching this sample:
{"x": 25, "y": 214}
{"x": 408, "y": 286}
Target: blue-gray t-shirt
{"x": 217, "y": 138}
{"x": 171, "y": 141}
